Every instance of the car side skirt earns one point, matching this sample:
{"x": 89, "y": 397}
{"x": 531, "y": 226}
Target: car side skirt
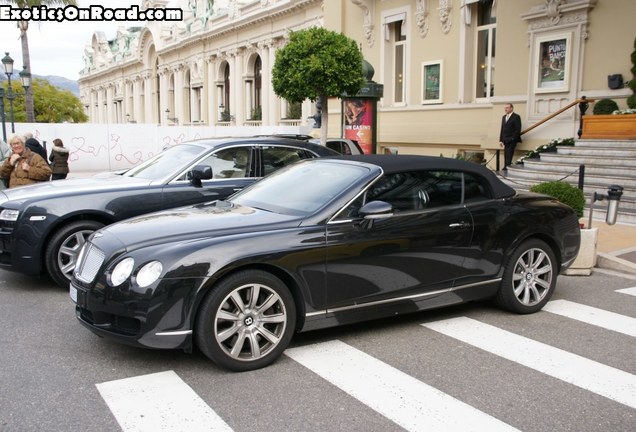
{"x": 400, "y": 305}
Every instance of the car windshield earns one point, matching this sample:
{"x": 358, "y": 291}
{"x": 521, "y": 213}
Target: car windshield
{"x": 168, "y": 161}
{"x": 302, "y": 188}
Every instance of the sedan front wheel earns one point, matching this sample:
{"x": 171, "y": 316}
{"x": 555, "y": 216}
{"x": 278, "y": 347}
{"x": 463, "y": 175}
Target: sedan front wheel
{"x": 529, "y": 278}
{"x": 246, "y": 321}
{"x": 63, "y": 248}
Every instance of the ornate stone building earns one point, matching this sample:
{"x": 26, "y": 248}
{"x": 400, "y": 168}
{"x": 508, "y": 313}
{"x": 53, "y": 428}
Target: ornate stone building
{"x": 447, "y": 66}
{"x": 211, "y": 68}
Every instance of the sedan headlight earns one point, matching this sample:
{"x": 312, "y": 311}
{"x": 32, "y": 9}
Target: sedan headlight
{"x": 9, "y": 215}
{"x": 122, "y": 271}
{"x": 149, "y": 273}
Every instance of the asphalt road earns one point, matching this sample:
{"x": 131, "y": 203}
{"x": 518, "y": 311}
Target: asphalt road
{"x": 471, "y": 367}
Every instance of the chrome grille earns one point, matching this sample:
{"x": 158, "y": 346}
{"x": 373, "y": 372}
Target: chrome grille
{"x": 91, "y": 259}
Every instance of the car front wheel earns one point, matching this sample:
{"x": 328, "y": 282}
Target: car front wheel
{"x": 63, "y": 248}
{"x": 246, "y": 321}
{"x": 529, "y": 278}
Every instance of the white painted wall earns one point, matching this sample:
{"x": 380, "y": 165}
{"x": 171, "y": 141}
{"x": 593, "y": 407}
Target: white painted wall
{"x": 110, "y": 147}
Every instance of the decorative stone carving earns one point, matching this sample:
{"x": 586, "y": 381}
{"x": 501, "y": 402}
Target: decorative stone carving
{"x": 558, "y": 13}
{"x": 421, "y": 15}
{"x": 153, "y": 4}
{"x": 367, "y": 25}
{"x": 552, "y": 9}
{"x": 233, "y": 10}
{"x": 196, "y": 71}
{"x": 444, "y": 15}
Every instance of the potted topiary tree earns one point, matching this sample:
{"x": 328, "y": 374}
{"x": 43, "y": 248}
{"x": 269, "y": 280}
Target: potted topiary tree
{"x": 608, "y": 122}
{"x": 620, "y": 124}
{"x": 605, "y": 106}
{"x": 573, "y": 197}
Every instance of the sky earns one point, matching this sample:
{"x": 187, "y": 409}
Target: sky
{"x": 57, "y": 48}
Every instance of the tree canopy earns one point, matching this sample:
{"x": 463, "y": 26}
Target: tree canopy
{"x": 317, "y": 62}
{"x": 51, "y": 104}
{"x": 23, "y": 26}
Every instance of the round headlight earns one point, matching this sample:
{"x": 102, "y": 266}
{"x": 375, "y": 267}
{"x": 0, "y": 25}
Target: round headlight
{"x": 122, "y": 271}
{"x": 149, "y": 273}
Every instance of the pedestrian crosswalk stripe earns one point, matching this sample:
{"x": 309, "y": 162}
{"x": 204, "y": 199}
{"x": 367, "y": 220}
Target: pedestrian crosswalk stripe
{"x": 591, "y": 315}
{"x": 601, "y": 379}
{"x": 408, "y": 402}
{"x": 159, "y": 402}
{"x": 630, "y": 291}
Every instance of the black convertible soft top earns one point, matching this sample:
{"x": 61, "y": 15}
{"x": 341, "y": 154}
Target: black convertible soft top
{"x": 401, "y": 163}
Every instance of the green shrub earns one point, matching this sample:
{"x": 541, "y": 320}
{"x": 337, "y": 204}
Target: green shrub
{"x": 564, "y": 192}
{"x": 257, "y": 113}
{"x": 294, "y": 111}
{"x": 605, "y": 106}
{"x": 226, "y": 116}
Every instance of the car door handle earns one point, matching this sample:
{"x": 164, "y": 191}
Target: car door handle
{"x": 459, "y": 225}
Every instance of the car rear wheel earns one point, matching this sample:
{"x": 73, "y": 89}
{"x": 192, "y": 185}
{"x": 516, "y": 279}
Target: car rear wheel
{"x": 246, "y": 321}
{"x": 529, "y": 278}
{"x": 63, "y": 248}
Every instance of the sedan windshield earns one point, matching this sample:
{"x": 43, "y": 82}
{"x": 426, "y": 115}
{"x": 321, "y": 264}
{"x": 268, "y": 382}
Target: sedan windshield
{"x": 171, "y": 160}
{"x": 302, "y": 188}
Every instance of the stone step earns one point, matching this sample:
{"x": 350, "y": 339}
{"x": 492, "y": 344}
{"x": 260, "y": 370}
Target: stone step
{"x": 575, "y": 159}
{"x": 601, "y": 213}
{"x": 626, "y": 207}
{"x": 590, "y": 169}
{"x": 604, "y": 143}
{"x": 598, "y": 151}
{"x": 539, "y": 176}
{"x": 588, "y": 188}
{"x": 607, "y": 163}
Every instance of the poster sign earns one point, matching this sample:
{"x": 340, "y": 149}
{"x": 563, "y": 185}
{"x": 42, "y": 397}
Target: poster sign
{"x": 358, "y": 122}
{"x": 553, "y": 63}
{"x": 432, "y": 82}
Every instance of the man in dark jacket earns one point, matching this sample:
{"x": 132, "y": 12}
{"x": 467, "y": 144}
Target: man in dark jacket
{"x": 35, "y": 146}
{"x": 510, "y": 133}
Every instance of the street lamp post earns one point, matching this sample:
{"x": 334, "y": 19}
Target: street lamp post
{"x": 25, "y": 79}
{"x": 4, "y": 124}
{"x": 7, "y": 62}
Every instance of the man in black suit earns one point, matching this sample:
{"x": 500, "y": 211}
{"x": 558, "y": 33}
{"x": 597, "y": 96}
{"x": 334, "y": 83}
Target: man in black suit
{"x": 510, "y": 133}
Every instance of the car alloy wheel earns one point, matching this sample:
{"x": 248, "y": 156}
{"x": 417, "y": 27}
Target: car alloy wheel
{"x": 63, "y": 248}
{"x": 246, "y": 321}
{"x": 529, "y": 278}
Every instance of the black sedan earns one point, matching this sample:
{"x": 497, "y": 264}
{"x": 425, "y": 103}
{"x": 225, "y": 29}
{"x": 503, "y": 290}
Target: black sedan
{"x": 43, "y": 226}
{"x": 321, "y": 243}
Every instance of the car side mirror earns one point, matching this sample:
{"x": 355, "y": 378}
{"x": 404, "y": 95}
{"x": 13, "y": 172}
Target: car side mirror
{"x": 376, "y": 210}
{"x": 198, "y": 173}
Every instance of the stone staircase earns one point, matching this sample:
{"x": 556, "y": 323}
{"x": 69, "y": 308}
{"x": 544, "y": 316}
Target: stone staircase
{"x": 607, "y": 162}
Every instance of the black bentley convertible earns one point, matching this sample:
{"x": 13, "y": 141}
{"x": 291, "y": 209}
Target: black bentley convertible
{"x": 320, "y": 243}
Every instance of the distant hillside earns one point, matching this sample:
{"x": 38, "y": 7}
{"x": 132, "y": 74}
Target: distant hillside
{"x": 60, "y": 82}
{"x": 63, "y": 83}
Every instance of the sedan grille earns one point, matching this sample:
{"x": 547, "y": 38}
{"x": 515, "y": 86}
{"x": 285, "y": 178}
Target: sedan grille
{"x": 90, "y": 263}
